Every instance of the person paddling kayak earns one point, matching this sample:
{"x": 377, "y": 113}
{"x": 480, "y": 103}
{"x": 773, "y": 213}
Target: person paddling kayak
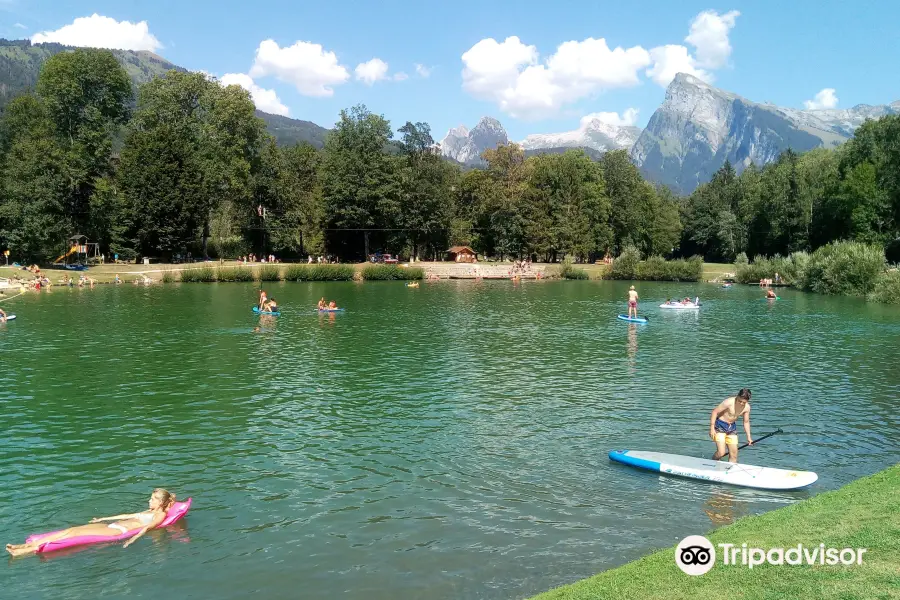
{"x": 723, "y": 425}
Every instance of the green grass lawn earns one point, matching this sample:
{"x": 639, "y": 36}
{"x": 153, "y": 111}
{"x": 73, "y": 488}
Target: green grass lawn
{"x": 863, "y": 514}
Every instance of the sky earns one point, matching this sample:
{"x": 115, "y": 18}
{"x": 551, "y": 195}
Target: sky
{"x": 537, "y": 67}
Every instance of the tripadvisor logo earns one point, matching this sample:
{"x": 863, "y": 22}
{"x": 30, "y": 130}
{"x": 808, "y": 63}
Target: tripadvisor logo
{"x": 696, "y": 555}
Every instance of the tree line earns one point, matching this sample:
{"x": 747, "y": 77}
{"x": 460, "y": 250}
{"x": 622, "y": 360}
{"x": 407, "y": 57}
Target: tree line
{"x": 184, "y": 165}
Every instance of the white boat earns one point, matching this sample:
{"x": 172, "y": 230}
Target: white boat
{"x": 681, "y": 306}
{"x": 707, "y": 469}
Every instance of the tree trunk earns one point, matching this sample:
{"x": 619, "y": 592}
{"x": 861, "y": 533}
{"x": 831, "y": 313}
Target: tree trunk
{"x": 366, "y": 237}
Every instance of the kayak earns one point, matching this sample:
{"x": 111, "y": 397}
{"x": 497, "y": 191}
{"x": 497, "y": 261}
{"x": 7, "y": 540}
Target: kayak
{"x": 633, "y": 319}
{"x": 266, "y": 312}
{"x": 706, "y": 469}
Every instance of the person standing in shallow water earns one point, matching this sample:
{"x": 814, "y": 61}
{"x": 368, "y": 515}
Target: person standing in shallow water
{"x": 632, "y": 303}
{"x": 160, "y": 503}
{"x": 723, "y": 424}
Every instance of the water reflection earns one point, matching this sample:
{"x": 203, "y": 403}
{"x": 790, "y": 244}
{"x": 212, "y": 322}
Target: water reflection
{"x": 632, "y": 348}
{"x": 723, "y": 508}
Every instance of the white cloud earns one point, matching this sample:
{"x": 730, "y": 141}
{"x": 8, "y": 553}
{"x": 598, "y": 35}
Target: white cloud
{"x": 371, "y": 71}
{"x": 628, "y": 118}
{"x": 824, "y": 99}
{"x": 265, "y": 100}
{"x": 307, "y": 66}
{"x": 670, "y": 60}
{"x": 401, "y": 76}
{"x": 509, "y": 73}
{"x": 97, "y": 31}
{"x": 709, "y": 36}
{"x": 20, "y": 26}
{"x": 422, "y": 70}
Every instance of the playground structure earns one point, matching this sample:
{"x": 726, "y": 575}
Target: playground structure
{"x": 80, "y": 247}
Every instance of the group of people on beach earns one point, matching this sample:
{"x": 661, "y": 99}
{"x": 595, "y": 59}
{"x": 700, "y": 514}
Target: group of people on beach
{"x": 252, "y": 258}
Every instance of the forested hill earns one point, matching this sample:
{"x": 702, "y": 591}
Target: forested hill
{"x": 21, "y": 61}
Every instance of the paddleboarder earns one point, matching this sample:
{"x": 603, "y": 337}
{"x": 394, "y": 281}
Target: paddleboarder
{"x": 723, "y": 424}
{"x": 632, "y": 302}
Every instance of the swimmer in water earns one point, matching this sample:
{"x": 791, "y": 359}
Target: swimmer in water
{"x": 160, "y": 503}
{"x": 262, "y": 300}
{"x": 2, "y": 316}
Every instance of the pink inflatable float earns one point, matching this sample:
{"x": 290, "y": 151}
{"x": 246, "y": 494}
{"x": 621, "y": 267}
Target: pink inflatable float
{"x": 178, "y": 510}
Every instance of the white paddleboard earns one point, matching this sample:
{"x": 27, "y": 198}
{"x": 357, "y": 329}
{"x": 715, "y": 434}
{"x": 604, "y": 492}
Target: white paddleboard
{"x": 10, "y": 317}
{"x": 679, "y": 306}
{"x": 717, "y": 471}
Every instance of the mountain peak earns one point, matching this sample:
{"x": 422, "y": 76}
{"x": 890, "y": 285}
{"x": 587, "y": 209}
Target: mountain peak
{"x": 465, "y": 146}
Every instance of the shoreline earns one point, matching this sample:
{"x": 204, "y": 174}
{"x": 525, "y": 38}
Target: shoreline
{"x": 862, "y": 514}
{"x": 434, "y": 270}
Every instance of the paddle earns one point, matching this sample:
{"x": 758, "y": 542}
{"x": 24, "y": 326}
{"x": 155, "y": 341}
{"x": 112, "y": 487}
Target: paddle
{"x": 758, "y": 440}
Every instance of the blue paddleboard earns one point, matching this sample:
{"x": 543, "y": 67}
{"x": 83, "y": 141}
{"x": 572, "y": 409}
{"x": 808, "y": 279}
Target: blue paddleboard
{"x": 633, "y": 319}
{"x": 265, "y": 312}
{"x": 330, "y": 309}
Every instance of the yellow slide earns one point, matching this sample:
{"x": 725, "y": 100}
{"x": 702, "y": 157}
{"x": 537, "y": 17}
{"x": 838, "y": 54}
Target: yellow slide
{"x": 74, "y": 249}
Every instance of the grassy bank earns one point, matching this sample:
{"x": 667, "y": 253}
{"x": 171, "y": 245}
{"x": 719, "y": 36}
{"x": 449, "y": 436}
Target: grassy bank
{"x": 863, "y": 514}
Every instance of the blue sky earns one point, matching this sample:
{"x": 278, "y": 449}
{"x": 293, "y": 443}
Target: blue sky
{"x": 500, "y": 59}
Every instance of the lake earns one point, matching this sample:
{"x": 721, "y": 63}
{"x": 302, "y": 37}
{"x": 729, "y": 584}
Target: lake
{"x": 448, "y": 441}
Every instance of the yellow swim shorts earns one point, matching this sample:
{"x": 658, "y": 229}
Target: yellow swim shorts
{"x": 730, "y": 439}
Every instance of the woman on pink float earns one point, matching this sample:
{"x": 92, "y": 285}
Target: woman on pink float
{"x": 135, "y": 524}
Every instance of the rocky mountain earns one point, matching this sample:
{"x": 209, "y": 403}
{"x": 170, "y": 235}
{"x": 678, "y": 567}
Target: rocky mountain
{"x": 466, "y": 146}
{"x": 593, "y": 133}
{"x": 698, "y": 127}
{"x": 21, "y": 61}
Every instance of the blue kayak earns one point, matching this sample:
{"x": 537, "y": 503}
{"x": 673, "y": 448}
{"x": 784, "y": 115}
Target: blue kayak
{"x": 633, "y": 319}
{"x": 265, "y": 312}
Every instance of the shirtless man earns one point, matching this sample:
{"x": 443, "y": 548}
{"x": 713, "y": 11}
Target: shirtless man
{"x": 2, "y": 316}
{"x": 632, "y": 302}
{"x": 262, "y": 300}
{"x": 723, "y": 424}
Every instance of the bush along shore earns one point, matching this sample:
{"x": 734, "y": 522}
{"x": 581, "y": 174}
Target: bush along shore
{"x": 848, "y": 268}
{"x": 298, "y": 272}
{"x": 629, "y": 265}
{"x": 862, "y": 514}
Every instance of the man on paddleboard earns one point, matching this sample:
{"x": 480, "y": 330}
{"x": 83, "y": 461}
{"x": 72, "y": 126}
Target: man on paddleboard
{"x": 723, "y": 424}
{"x": 632, "y": 303}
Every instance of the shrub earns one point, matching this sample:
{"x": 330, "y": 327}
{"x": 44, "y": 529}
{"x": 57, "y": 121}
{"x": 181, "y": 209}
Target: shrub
{"x": 168, "y": 276}
{"x": 656, "y": 268}
{"x": 320, "y": 273}
{"x": 741, "y": 259}
{"x": 269, "y": 273}
{"x": 199, "y": 275}
{"x": 850, "y": 268}
{"x": 391, "y": 272}
{"x": 887, "y": 288}
{"x": 625, "y": 265}
{"x": 568, "y": 271}
{"x": 790, "y": 269}
{"x": 629, "y": 266}
{"x": 235, "y": 274}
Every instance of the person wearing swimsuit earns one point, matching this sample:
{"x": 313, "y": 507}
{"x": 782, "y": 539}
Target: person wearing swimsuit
{"x": 160, "y": 503}
{"x": 723, "y": 424}
{"x": 632, "y": 303}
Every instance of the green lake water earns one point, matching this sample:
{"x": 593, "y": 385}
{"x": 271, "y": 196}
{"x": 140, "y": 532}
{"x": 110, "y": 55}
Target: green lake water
{"x": 448, "y": 441}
